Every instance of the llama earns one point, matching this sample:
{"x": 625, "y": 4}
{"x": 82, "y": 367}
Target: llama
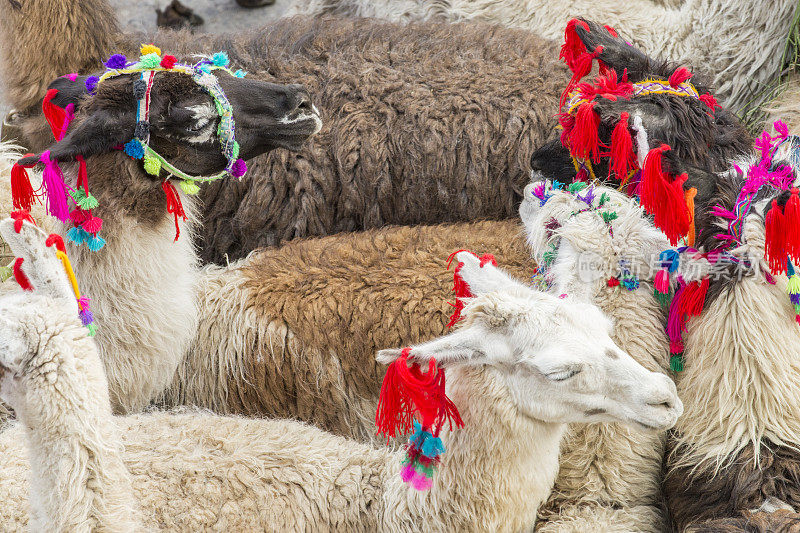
{"x": 786, "y": 106}
{"x": 424, "y": 124}
{"x": 736, "y": 450}
{"x": 698, "y": 32}
{"x": 595, "y": 245}
{"x": 523, "y": 364}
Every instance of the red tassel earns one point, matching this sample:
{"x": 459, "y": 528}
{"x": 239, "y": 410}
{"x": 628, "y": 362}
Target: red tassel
{"x": 573, "y": 47}
{"x": 710, "y": 101}
{"x": 582, "y": 67}
{"x": 612, "y": 282}
{"x": 83, "y": 177}
{"x": 22, "y": 193}
{"x": 692, "y": 299}
{"x": 460, "y": 289}
{"x": 611, "y": 30}
{"x": 679, "y": 76}
{"x": 622, "y": 157}
{"x": 20, "y": 276}
{"x": 567, "y": 122}
{"x": 584, "y": 139}
{"x": 406, "y": 391}
{"x": 664, "y": 199}
{"x": 792, "y": 225}
{"x": 55, "y": 115}
{"x": 54, "y": 239}
{"x": 21, "y": 216}
{"x": 174, "y": 205}
{"x": 775, "y": 239}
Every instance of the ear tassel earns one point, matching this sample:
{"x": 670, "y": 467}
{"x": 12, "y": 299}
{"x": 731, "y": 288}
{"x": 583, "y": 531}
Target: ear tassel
{"x": 406, "y": 391}
{"x": 792, "y": 225}
{"x": 55, "y": 188}
{"x": 22, "y": 193}
{"x": 55, "y": 115}
{"x": 687, "y": 302}
{"x": 775, "y": 239}
{"x": 584, "y": 139}
{"x": 664, "y": 199}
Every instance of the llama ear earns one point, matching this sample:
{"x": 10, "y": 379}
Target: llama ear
{"x": 40, "y": 264}
{"x": 575, "y": 272}
{"x": 616, "y": 53}
{"x": 467, "y": 345}
{"x": 69, "y": 90}
{"x": 98, "y": 133}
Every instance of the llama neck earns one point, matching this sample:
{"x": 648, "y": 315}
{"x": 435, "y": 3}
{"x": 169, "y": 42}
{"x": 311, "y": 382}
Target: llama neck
{"x": 78, "y": 478}
{"x": 142, "y": 290}
{"x": 740, "y": 381}
{"x": 497, "y": 470}
{"x": 44, "y": 39}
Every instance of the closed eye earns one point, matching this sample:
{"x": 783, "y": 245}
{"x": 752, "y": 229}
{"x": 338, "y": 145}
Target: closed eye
{"x": 562, "y": 375}
{"x": 198, "y": 126}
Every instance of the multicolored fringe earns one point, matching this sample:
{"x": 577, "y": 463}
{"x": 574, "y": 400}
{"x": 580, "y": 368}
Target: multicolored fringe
{"x": 407, "y": 392}
{"x": 662, "y": 194}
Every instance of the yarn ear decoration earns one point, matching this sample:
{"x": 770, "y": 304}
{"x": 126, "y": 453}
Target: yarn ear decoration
{"x": 408, "y": 392}
{"x": 460, "y": 287}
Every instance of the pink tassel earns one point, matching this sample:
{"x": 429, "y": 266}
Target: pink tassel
{"x": 93, "y": 225}
{"x": 662, "y": 281}
{"x": 55, "y": 188}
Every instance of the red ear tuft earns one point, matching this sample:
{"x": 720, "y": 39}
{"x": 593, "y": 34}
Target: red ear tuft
{"x": 22, "y": 193}
{"x": 55, "y": 115}
{"x": 792, "y": 225}
{"x": 573, "y": 47}
{"x": 584, "y": 140}
{"x": 679, "y": 76}
{"x": 663, "y": 198}
{"x": 20, "y": 276}
{"x": 622, "y": 156}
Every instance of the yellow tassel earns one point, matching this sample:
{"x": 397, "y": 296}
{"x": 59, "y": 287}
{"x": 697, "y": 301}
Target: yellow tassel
{"x": 794, "y": 285}
{"x": 189, "y": 187}
{"x": 149, "y": 49}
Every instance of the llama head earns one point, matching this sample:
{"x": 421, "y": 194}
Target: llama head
{"x": 674, "y": 108}
{"x": 184, "y": 117}
{"x": 555, "y": 358}
{"x": 585, "y": 237}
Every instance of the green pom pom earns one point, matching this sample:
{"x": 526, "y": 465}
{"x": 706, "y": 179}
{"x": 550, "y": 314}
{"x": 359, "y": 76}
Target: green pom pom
{"x": 663, "y": 299}
{"x": 577, "y": 186}
{"x": 78, "y": 195}
{"x": 603, "y": 199}
{"x": 152, "y": 165}
{"x": 92, "y": 329}
{"x": 88, "y": 202}
{"x": 5, "y": 273}
{"x": 149, "y": 61}
{"x": 797, "y": 308}
{"x": 235, "y": 150}
{"x": 676, "y": 363}
{"x": 189, "y": 187}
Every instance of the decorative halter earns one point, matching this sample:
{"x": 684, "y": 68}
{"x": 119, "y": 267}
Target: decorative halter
{"x": 661, "y": 194}
{"x": 86, "y": 316}
{"x": 782, "y": 243}
{"x": 58, "y": 194}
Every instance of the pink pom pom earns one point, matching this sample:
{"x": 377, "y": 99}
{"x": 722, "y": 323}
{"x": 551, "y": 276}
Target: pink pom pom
{"x": 676, "y": 346}
{"x": 239, "y": 168}
{"x": 93, "y": 225}
{"x": 420, "y": 482}
{"x": 662, "y": 281}
{"x": 407, "y": 473}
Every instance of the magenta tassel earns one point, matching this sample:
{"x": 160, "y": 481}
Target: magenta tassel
{"x": 55, "y": 188}
{"x": 407, "y": 473}
{"x": 662, "y": 281}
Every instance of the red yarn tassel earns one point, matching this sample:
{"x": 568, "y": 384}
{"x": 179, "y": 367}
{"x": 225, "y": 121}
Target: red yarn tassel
{"x": 792, "y": 225}
{"x": 573, "y": 47}
{"x": 582, "y": 67}
{"x": 174, "y": 205}
{"x": 775, "y": 239}
{"x": 406, "y": 391}
{"x": 22, "y": 193}
{"x": 460, "y": 289}
{"x": 622, "y": 156}
{"x": 679, "y": 76}
{"x": 83, "y": 177}
{"x": 20, "y": 276}
{"x": 693, "y": 298}
{"x": 710, "y": 101}
{"x": 584, "y": 139}
{"x": 55, "y": 115}
{"x": 664, "y": 199}
{"x": 567, "y": 122}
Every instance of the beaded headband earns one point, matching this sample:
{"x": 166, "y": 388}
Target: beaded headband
{"x": 59, "y": 195}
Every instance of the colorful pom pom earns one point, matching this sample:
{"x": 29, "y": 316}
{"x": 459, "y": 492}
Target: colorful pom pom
{"x": 116, "y": 62}
{"x": 95, "y": 243}
{"x": 220, "y": 59}
{"x": 93, "y": 225}
{"x": 134, "y": 149}
{"x": 239, "y": 168}
{"x": 152, "y": 165}
{"x": 91, "y": 84}
{"x": 189, "y": 187}
{"x": 147, "y": 49}
{"x": 168, "y": 62}
{"x": 240, "y": 73}
{"x": 149, "y": 61}
{"x": 676, "y": 363}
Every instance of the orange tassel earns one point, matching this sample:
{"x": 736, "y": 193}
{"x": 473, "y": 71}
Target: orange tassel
{"x": 689, "y": 197}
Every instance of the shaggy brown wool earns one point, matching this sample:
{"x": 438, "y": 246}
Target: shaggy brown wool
{"x": 780, "y": 521}
{"x": 320, "y": 309}
{"x": 423, "y": 124}
{"x": 694, "y": 497}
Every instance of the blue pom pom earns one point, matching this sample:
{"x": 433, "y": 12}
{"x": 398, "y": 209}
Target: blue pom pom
{"x": 432, "y": 447}
{"x": 95, "y": 243}
{"x": 220, "y": 59}
{"x": 240, "y": 73}
{"x": 91, "y": 84}
{"x": 116, "y": 61}
{"x": 134, "y": 149}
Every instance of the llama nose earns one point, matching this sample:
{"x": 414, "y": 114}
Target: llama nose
{"x": 299, "y": 100}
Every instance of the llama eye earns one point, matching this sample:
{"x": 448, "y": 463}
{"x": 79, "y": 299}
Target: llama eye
{"x": 562, "y": 375}
{"x": 197, "y": 126}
